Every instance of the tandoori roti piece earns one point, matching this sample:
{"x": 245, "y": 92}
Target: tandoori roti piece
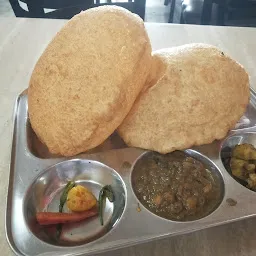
{"x": 194, "y": 95}
{"x": 88, "y": 78}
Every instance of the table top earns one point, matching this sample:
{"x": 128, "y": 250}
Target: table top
{"x": 21, "y": 43}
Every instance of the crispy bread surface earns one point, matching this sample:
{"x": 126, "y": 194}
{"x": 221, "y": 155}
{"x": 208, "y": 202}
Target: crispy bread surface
{"x": 88, "y": 78}
{"x": 195, "y": 94}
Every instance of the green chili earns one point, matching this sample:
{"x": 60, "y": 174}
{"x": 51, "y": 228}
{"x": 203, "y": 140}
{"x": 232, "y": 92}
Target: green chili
{"x": 64, "y": 195}
{"x": 63, "y": 200}
{"x": 105, "y": 192}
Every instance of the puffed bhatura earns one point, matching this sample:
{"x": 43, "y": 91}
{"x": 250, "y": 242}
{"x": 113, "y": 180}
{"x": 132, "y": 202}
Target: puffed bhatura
{"x": 88, "y": 78}
{"x": 194, "y": 95}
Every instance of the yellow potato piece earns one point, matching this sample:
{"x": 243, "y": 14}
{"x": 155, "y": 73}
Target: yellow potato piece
{"x": 80, "y": 199}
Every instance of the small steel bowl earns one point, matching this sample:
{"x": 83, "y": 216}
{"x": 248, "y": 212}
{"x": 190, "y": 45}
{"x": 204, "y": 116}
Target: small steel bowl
{"x": 44, "y": 195}
{"x": 229, "y": 144}
{"x": 211, "y": 167}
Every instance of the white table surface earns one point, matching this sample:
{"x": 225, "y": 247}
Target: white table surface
{"x": 21, "y": 43}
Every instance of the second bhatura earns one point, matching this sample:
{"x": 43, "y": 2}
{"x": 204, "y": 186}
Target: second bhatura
{"x": 195, "y": 95}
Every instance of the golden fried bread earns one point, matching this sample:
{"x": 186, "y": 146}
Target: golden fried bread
{"x": 195, "y": 94}
{"x": 88, "y": 78}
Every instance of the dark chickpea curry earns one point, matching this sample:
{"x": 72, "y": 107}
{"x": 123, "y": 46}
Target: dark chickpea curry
{"x": 175, "y": 186}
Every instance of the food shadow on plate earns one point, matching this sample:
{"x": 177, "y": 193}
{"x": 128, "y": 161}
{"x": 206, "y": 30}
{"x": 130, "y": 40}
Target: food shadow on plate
{"x": 38, "y": 149}
{"x": 248, "y": 120}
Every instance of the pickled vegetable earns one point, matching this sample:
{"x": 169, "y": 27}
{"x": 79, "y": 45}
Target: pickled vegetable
{"x": 243, "y": 164}
{"x": 244, "y": 152}
{"x": 80, "y": 199}
{"x": 252, "y": 181}
{"x": 238, "y": 168}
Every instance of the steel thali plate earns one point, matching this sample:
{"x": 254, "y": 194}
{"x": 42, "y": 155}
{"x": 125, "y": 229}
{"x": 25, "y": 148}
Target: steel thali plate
{"x": 30, "y": 161}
